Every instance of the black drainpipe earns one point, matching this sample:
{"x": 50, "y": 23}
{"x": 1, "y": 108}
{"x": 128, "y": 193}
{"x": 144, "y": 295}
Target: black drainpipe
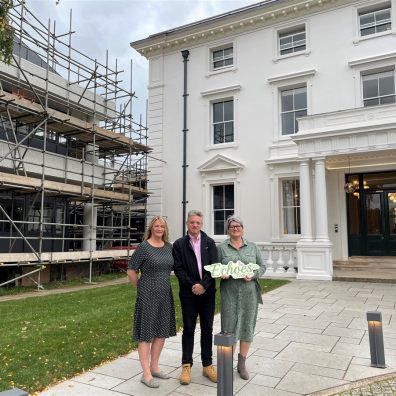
{"x": 185, "y": 55}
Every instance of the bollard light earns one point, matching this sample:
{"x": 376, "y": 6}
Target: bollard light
{"x": 376, "y": 338}
{"x": 224, "y": 342}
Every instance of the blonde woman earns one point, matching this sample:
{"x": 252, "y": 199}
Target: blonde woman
{"x": 154, "y": 318}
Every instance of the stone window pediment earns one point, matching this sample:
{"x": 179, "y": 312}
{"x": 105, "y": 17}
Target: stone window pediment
{"x": 220, "y": 163}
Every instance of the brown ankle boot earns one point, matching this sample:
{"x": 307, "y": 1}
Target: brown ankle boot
{"x": 242, "y": 367}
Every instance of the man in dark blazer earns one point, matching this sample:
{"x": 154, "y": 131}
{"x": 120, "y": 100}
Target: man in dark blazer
{"x": 197, "y": 293}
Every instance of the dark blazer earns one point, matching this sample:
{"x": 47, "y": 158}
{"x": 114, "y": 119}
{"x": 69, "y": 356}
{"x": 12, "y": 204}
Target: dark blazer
{"x": 186, "y": 265}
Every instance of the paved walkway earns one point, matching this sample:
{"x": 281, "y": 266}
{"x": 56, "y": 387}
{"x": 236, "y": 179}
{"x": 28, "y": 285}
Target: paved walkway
{"x": 310, "y": 337}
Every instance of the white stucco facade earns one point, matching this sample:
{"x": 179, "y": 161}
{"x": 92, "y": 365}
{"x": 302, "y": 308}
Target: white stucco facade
{"x": 338, "y": 136}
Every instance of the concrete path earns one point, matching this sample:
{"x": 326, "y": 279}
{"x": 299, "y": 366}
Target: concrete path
{"x": 310, "y": 336}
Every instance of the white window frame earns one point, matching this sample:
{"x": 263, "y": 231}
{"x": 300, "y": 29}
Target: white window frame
{"x": 371, "y": 6}
{"x": 292, "y": 88}
{"x": 223, "y": 58}
{"x": 231, "y": 99}
{"x": 219, "y": 95}
{"x": 224, "y": 209}
{"x": 376, "y": 24}
{"x": 377, "y": 72}
{"x": 295, "y": 45}
{"x": 222, "y": 171}
{"x": 216, "y": 47}
{"x": 283, "y": 207}
{"x": 283, "y": 82}
{"x": 286, "y": 28}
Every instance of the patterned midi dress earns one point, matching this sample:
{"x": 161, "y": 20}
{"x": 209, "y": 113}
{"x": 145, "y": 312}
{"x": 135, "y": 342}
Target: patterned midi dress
{"x": 240, "y": 299}
{"x": 154, "y": 315}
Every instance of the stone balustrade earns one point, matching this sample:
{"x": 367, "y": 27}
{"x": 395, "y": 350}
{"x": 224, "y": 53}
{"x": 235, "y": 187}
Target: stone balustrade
{"x": 280, "y": 259}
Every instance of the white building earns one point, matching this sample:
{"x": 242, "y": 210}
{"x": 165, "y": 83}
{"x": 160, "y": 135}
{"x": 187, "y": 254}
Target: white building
{"x": 286, "y": 102}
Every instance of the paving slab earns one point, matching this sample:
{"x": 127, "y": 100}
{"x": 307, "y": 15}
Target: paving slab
{"x": 304, "y": 383}
{"x": 310, "y": 336}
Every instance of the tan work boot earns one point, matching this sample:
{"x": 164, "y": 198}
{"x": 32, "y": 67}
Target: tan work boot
{"x": 185, "y": 376}
{"x": 210, "y": 372}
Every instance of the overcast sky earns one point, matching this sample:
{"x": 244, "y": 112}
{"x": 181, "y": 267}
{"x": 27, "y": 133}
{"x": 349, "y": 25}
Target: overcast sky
{"x": 113, "y": 24}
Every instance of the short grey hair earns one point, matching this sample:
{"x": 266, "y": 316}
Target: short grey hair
{"x": 192, "y": 213}
{"x": 234, "y": 218}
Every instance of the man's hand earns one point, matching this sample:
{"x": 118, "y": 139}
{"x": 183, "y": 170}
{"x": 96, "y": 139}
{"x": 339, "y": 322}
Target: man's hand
{"x": 248, "y": 278}
{"x": 198, "y": 289}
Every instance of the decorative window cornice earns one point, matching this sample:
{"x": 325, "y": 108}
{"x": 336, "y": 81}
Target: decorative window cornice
{"x": 290, "y": 76}
{"x": 222, "y": 90}
{"x": 371, "y": 59}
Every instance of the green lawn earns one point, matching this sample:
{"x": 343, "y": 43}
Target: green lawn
{"x": 5, "y": 291}
{"x": 48, "y": 339}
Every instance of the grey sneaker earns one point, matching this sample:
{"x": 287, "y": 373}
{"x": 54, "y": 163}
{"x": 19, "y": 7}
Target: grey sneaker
{"x": 151, "y": 383}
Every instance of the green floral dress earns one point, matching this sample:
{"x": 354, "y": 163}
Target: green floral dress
{"x": 240, "y": 299}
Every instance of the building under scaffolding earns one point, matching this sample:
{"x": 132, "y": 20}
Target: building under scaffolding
{"x": 73, "y": 162}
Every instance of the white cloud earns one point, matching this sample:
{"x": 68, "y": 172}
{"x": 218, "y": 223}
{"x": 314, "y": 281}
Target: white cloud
{"x": 111, "y": 25}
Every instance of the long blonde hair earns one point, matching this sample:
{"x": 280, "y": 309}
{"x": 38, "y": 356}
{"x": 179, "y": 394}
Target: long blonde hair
{"x": 165, "y": 236}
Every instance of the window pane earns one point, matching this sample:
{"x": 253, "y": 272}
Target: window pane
{"x": 370, "y": 88}
{"x": 228, "y": 62}
{"x": 387, "y": 85}
{"x": 291, "y": 206}
{"x": 223, "y": 206}
{"x": 387, "y": 99}
{"x": 229, "y": 110}
{"x": 300, "y": 98}
{"x": 217, "y": 55}
{"x": 218, "y": 197}
{"x": 366, "y": 19}
{"x": 382, "y": 15}
{"x": 228, "y": 51}
{"x": 229, "y": 196}
{"x": 371, "y": 102}
{"x": 287, "y": 100}
{"x": 367, "y": 31}
{"x": 218, "y": 133}
{"x": 287, "y": 123}
{"x": 219, "y": 215}
{"x": 229, "y": 132}
{"x": 217, "y": 112}
{"x": 219, "y": 228}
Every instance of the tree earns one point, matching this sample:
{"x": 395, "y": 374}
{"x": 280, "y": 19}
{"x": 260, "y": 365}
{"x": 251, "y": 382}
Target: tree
{"x": 6, "y": 32}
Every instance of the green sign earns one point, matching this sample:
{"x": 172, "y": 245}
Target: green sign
{"x": 233, "y": 269}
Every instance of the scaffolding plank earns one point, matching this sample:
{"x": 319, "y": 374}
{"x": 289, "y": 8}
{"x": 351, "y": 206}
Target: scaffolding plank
{"x": 48, "y": 257}
{"x": 83, "y": 130}
{"x": 33, "y": 183}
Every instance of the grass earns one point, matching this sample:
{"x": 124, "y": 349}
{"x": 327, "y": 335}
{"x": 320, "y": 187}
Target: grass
{"x": 48, "y": 339}
{"x": 6, "y": 291}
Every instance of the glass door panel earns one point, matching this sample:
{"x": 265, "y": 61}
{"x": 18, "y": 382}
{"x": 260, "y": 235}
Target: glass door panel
{"x": 374, "y": 214}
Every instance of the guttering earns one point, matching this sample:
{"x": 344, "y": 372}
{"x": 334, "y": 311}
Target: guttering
{"x": 185, "y": 54}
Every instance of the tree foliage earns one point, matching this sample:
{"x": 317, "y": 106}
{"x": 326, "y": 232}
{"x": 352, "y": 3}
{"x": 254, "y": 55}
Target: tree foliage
{"x": 6, "y": 32}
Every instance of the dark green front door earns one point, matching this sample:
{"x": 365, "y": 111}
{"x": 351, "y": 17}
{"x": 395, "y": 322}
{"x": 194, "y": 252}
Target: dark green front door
{"x": 372, "y": 217}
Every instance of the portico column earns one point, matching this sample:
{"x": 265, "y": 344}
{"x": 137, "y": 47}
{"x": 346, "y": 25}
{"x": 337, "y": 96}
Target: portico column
{"x": 305, "y": 201}
{"x": 321, "y": 222}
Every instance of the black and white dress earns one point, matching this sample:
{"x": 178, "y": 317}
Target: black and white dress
{"x": 154, "y": 309}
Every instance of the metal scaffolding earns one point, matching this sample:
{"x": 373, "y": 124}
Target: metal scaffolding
{"x": 73, "y": 161}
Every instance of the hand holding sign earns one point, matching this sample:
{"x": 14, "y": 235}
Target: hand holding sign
{"x": 235, "y": 269}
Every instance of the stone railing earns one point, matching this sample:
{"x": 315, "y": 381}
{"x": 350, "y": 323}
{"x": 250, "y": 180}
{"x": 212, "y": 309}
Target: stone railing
{"x": 279, "y": 258}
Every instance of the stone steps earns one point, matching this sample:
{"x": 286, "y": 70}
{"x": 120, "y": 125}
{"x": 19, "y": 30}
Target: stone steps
{"x": 365, "y": 269}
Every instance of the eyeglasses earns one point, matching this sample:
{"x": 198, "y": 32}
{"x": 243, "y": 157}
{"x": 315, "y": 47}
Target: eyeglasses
{"x": 235, "y": 227}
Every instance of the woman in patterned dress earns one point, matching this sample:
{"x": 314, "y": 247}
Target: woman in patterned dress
{"x": 154, "y": 318}
{"x": 240, "y": 297}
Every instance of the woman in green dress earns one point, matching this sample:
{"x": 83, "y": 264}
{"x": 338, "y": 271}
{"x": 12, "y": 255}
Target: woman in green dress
{"x": 240, "y": 297}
